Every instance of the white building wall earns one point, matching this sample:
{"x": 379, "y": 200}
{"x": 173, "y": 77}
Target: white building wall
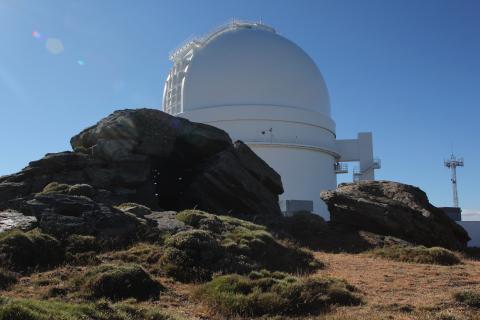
{"x": 305, "y": 172}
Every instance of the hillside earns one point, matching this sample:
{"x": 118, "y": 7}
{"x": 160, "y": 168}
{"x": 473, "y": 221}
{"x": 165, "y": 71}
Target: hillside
{"x": 389, "y": 289}
{"x": 153, "y": 217}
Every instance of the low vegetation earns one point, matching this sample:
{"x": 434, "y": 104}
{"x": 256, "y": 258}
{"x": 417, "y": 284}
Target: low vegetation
{"x": 81, "y": 250}
{"x": 7, "y": 278}
{"x": 266, "y": 293}
{"x": 117, "y": 282}
{"x": 55, "y": 187}
{"x": 29, "y": 309}
{"x": 420, "y": 254}
{"x": 192, "y": 256}
{"x": 470, "y": 298}
{"x": 75, "y": 190}
{"x": 24, "y": 251}
{"x": 141, "y": 253}
{"x": 228, "y": 245}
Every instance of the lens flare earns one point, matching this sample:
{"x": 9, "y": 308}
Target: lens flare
{"x": 81, "y": 62}
{"x": 54, "y": 45}
{"x": 36, "y": 35}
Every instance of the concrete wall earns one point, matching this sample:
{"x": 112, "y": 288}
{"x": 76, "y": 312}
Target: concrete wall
{"x": 473, "y": 229}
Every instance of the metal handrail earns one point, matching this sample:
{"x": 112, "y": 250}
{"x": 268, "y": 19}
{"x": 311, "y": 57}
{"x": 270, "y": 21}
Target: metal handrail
{"x": 202, "y": 40}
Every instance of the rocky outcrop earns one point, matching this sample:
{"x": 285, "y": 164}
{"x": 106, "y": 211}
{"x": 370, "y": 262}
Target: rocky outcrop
{"x": 62, "y": 215}
{"x": 10, "y": 219}
{"x": 166, "y": 222}
{"x": 393, "y": 209}
{"x": 150, "y": 158}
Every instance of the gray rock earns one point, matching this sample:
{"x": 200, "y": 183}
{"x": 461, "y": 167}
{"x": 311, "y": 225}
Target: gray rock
{"x": 258, "y": 168}
{"x": 166, "y": 222}
{"x": 134, "y": 208}
{"x": 10, "y": 219}
{"x": 393, "y": 209}
{"x": 12, "y": 190}
{"x": 62, "y": 215}
{"x": 225, "y": 186}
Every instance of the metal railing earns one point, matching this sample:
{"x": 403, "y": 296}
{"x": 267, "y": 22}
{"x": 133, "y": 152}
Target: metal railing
{"x": 200, "y": 41}
{"x": 340, "y": 168}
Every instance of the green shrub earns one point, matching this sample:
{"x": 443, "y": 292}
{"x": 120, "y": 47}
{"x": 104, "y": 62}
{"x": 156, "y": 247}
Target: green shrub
{"x": 236, "y": 246}
{"x": 7, "y": 278}
{"x": 141, "y": 253}
{"x": 24, "y": 251}
{"x": 420, "y": 254}
{"x": 85, "y": 190}
{"x": 79, "y": 243}
{"x": 81, "y": 250}
{"x": 264, "y": 293}
{"x": 83, "y": 258}
{"x": 191, "y": 256}
{"x": 118, "y": 282}
{"x": 29, "y": 309}
{"x": 55, "y": 187}
{"x": 470, "y": 298}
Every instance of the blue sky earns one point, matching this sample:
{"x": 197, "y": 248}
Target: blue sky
{"x": 407, "y": 70}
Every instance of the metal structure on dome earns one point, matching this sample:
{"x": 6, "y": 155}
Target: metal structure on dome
{"x": 452, "y": 164}
{"x": 181, "y": 57}
{"x": 192, "y": 44}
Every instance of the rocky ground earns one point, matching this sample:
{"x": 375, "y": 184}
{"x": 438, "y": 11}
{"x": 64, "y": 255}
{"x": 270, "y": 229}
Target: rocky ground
{"x": 154, "y": 217}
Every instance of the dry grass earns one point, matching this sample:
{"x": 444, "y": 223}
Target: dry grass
{"x": 396, "y": 290}
{"x": 390, "y": 289}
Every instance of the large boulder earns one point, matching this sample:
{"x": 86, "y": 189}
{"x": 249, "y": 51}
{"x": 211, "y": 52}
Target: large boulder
{"x": 393, "y": 209}
{"x": 148, "y": 132}
{"x": 151, "y": 158}
{"x": 62, "y": 215}
{"x": 225, "y": 185}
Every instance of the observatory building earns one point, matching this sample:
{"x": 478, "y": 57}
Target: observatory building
{"x": 265, "y": 90}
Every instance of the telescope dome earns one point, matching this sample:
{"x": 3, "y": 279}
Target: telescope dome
{"x": 246, "y": 64}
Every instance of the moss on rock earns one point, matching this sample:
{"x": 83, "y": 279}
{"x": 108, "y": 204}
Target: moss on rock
{"x": 55, "y": 187}
{"x": 85, "y": 190}
{"x": 229, "y": 245}
{"x": 24, "y": 251}
{"x": 191, "y": 256}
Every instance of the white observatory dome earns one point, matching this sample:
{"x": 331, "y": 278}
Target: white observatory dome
{"x": 263, "y": 89}
{"x": 249, "y": 64}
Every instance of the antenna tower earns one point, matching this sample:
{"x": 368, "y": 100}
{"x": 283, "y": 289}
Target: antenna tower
{"x": 452, "y": 164}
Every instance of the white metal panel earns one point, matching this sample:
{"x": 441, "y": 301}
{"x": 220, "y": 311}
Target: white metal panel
{"x": 253, "y": 67}
{"x": 305, "y": 173}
